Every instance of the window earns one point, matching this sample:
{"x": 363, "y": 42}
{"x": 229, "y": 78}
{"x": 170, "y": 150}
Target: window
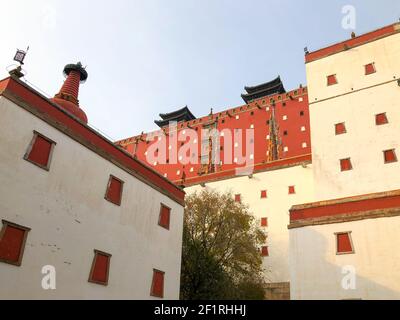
{"x": 331, "y": 80}
{"x": 100, "y": 268}
{"x": 345, "y": 164}
{"x": 264, "y": 251}
{"x": 390, "y": 156}
{"x": 264, "y": 222}
{"x": 301, "y": 113}
{"x": 40, "y": 151}
{"x": 340, "y": 128}
{"x": 369, "y": 68}
{"x": 263, "y": 194}
{"x": 285, "y": 133}
{"x": 114, "y": 190}
{"x": 292, "y": 190}
{"x": 304, "y": 145}
{"x": 157, "y": 285}
{"x": 12, "y": 242}
{"x": 344, "y": 244}
{"x": 164, "y": 217}
{"x": 381, "y": 119}
{"x": 237, "y": 198}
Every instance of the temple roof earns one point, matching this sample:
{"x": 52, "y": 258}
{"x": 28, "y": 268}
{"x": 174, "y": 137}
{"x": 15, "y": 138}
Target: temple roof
{"x": 262, "y": 90}
{"x": 183, "y": 114}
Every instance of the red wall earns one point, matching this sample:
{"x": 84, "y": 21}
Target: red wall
{"x": 293, "y": 140}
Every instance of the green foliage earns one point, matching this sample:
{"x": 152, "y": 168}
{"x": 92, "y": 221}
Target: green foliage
{"x": 220, "y": 257}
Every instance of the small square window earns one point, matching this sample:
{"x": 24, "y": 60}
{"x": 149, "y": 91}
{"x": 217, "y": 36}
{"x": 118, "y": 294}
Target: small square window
{"x": 345, "y": 164}
{"x": 100, "y": 268}
{"x": 301, "y": 113}
{"x": 114, "y": 190}
{"x": 292, "y": 190}
{"x": 237, "y": 198}
{"x": 390, "y": 156}
{"x": 164, "y": 217}
{"x": 263, "y": 194}
{"x": 369, "y": 68}
{"x": 264, "y": 222}
{"x": 381, "y": 119}
{"x": 40, "y": 150}
{"x": 285, "y": 133}
{"x": 340, "y": 128}
{"x": 157, "y": 285}
{"x": 304, "y": 145}
{"x": 264, "y": 251}
{"x": 12, "y": 242}
{"x": 331, "y": 80}
{"x": 344, "y": 244}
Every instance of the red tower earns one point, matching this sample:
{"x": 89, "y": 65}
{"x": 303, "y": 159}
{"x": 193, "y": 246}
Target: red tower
{"x": 67, "y": 98}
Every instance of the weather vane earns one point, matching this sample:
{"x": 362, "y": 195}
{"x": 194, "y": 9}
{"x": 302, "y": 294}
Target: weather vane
{"x": 20, "y": 55}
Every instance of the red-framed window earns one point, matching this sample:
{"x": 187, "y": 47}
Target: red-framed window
{"x": 264, "y": 222}
{"x": 100, "y": 268}
{"x": 157, "y": 284}
{"x": 369, "y": 68}
{"x": 381, "y": 119}
{"x": 12, "y": 242}
{"x": 264, "y": 194}
{"x": 165, "y": 216}
{"x": 264, "y": 251}
{"x": 340, "y": 128}
{"x": 40, "y": 151}
{"x": 345, "y": 164}
{"x": 114, "y": 190}
{"x": 389, "y": 156}
{"x": 331, "y": 80}
{"x": 292, "y": 190}
{"x": 238, "y": 198}
{"x": 344, "y": 243}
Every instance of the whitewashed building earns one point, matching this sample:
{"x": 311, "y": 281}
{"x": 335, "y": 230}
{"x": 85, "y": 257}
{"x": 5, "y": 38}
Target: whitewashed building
{"x": 80, "y": 217}
{"x": 345, "y": 245}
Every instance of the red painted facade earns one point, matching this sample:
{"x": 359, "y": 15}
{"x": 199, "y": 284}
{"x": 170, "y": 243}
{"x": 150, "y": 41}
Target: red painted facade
{"x": 350, "y": 205}
{"x": 291, "y": 116}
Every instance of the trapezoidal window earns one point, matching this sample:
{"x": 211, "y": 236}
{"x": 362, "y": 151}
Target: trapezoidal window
{"x": 345, "y": 164}
{"x": 389, "y": 156}
{"x": 380, "y": 119}
{"x": 264, "y": 222}
{"x": 369, "y": 68}
{"x": 40, "y": 150}
{"x": 263, "y": 194}
{"x": 100, "y": 268}
{"x": 12, "y": 242}
{"x": 340, "y": 128}
{"x": 264, "y": 251}
{"x": 331, "y": 80}
{"x": 164, "y": 217}
{"x": 344, "y": 244}
{"x": 157, "y": 284}
{"x": 237, "y": 198}
{"x": 114, "y": 190}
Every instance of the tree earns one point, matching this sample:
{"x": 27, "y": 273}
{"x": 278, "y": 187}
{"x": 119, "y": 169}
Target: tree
{"x": 220, "y": 256}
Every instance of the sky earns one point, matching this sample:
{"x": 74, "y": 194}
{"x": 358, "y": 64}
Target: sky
{"x": 154, "y": 56}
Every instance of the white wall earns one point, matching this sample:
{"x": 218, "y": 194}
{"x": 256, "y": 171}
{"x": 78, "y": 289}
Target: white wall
{"x": 275, "y": 207}
{"x": 69, "y": 217}
{"x": 317, "y": 270}
{"x": 364, "y": 141}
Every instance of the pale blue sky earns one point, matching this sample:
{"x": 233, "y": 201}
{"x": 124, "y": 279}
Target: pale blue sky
{"x": 151, "y": 56}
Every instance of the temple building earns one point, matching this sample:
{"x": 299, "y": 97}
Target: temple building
{"x": 70, "y": 227}
{"x": 317, "y": 165}
{"x": 320, "y": 171}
